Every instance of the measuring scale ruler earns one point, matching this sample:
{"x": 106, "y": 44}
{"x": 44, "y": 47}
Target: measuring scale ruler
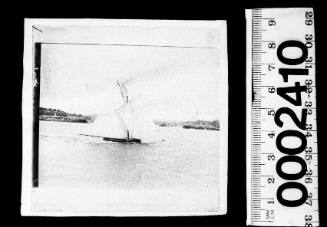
{"x": 282, "y": 162}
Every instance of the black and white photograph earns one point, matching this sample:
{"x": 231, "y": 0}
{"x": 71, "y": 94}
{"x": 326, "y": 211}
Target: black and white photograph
{"x": 164, "y": 114}
{"x": 124, "y": 118}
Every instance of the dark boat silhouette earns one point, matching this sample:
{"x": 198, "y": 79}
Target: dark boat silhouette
{"x": 118, "y": 140}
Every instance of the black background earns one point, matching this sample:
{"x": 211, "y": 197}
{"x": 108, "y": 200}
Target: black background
{"x": 233, "y": 12}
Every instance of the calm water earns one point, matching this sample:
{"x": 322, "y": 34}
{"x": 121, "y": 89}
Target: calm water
{"x": 187, "y": 158}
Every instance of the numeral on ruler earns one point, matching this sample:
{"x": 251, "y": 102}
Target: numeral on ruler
{"x": 282, "y": 177}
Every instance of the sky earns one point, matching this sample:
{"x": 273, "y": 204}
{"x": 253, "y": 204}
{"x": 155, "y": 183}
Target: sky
{"x": 168, "y": 83}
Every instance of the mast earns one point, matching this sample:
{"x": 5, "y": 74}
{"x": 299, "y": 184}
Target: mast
{"x": 123, "y": 91}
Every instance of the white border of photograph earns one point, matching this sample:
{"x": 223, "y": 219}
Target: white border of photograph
{"x": 186, "y": 38}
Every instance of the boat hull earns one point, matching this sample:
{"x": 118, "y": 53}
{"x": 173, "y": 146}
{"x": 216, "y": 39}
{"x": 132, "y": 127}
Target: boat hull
{"x": 117, "y": 140}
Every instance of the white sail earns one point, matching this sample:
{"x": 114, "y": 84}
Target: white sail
{"x": 108, "y": 125}
{"x": 138, "y": 123}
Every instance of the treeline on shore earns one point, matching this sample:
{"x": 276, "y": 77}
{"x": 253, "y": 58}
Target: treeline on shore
{"x": 49, "y": 114}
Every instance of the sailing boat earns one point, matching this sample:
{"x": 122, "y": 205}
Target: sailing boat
{"x": 127, "y": 124}
{"x": 129, "y": 137}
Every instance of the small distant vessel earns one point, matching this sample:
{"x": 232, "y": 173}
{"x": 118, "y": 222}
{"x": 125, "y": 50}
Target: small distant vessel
{"x": 202, "y": 124}
{"x": 207, "y": 127}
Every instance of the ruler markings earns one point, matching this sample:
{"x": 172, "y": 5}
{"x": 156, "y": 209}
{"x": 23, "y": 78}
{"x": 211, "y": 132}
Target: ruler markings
{"x": 265, "y": 31}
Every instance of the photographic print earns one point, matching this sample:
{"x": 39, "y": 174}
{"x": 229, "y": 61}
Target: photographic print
{"x": 124, "y": 118}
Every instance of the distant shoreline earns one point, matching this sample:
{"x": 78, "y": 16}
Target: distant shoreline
{"x": 49, "y": 114}
{"x": 64, "y": 120}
